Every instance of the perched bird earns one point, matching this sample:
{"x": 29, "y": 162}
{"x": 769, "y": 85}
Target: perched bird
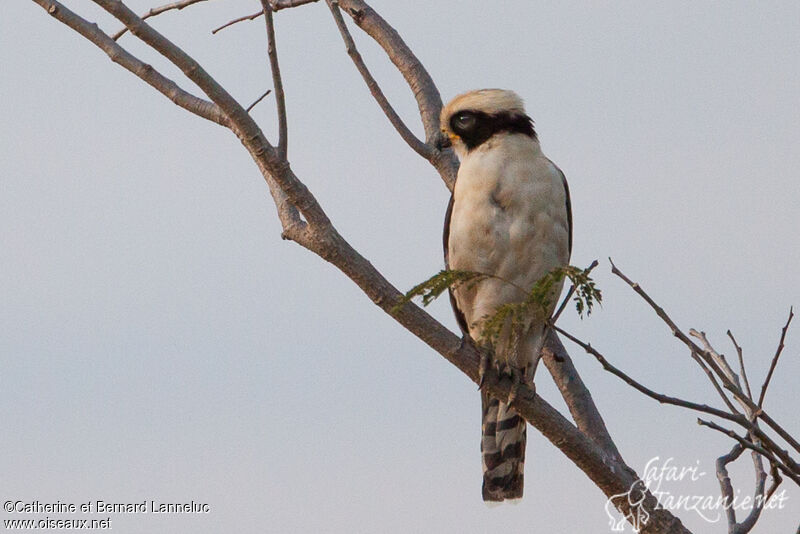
{"x": 510, "y": 218}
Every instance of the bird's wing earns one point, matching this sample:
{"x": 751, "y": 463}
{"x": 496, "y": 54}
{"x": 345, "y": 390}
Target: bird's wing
{"x": 460, "y": 318}
{"x": 569, "y": 203}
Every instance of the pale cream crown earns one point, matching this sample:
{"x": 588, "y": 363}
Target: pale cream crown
{"x": 489, "y": 101}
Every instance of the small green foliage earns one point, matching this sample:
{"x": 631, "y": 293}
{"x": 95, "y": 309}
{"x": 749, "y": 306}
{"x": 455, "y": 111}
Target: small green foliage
{"x": 517, "y": 315}
{"x": 586, "y": 292}
{"x": 434, "y": 286}
{"x": 513, "y": 314}
{"x": 538, "y": 304}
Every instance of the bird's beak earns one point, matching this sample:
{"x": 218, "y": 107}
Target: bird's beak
{"x": 442, "y": 141}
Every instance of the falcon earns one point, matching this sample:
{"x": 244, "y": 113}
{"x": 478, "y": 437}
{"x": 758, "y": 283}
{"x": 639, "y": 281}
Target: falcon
{"x": 509, "y": 218}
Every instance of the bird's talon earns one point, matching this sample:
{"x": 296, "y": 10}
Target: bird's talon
{"x": 516, "y": 382}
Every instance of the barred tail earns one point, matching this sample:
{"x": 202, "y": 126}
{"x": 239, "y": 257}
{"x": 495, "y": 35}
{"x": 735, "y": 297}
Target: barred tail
{"x": 503, "y": 450}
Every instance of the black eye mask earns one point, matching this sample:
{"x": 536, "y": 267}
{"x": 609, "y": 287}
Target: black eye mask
{"x": 476, "y": 127}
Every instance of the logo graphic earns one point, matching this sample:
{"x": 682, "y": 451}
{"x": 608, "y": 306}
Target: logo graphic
{"x": 628, "y": 508}
{"x": 637, "y": 516}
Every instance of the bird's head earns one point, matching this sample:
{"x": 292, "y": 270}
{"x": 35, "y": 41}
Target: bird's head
{"x": 470, "y": 119}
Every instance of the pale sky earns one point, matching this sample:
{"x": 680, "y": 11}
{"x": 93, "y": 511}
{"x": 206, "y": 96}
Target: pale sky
{"x": 159, "y": 341}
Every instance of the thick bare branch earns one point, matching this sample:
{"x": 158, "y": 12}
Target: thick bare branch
{"x": 576, "y": 395}
{"x": 759, "y": 499}
{"x": 726, "y": 488}
{"x": 775, "y": 473}
{"x": 198, "y": 106}
{"x": 775, "y": 359}
{"x": 158, "y": 10}
{"x": 426, "y": 151}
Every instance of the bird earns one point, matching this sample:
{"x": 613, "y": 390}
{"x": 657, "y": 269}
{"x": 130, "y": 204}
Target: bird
{"x": 510, "y": 218}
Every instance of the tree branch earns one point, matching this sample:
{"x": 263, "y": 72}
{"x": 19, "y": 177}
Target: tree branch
{"x": 759, "y": 499}
{"x": 158, "y": 10}
{"x": 727, "y": 372}
{"x": 236, "y": 20}
{"x": 775, "y": 358}
{"x": 426, "y": 151}
{"x": 726, "y": 488}
{"x": 259, "y": 99}
{"x": 277, "y": 82}
{"x": 741, "y": 364}
{"x": 197, "y": 106}
{"x": 753, "y": 446}
{"x": 277, "y": 5}
{"x": 709, "y": 359}
{"x": 576, "y": 395}
{"x": 427, "y": 95}
{"x": 275, "y": 169}
{"x": 664, "y": 399}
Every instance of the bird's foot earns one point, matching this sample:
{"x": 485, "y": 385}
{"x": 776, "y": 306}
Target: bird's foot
{"x": 516, "y": 382}
{"x": 518, "y": 379}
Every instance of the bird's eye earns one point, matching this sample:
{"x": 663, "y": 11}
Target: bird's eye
{"x": 464, "y": 122}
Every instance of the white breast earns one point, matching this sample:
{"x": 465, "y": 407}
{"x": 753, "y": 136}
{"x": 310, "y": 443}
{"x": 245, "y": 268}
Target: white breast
{"x": 509, "y": 219}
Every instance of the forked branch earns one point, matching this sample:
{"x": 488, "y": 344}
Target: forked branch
{"x": 158, "y": 10}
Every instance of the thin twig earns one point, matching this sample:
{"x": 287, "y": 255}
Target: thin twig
{"x": 240, "y": 19}
{"x": 779, "y": 429}
{"x": 741, "y": 365}
{"x": 758, "y": 410}
{"x": 277, "y": 82}
{"x": 568, "y": 296}
{"x": 259, "y": 99}
{"x": 665, "y": 399}
{"x": 677, "y": 332}
{"x": 408, "y": 136}
{"x": 719, "y": 358}
{"x": 736, "y": 417}
{"x": 775, "y": 358}
{"x": 158, "y": 10}
{"x": 277, "y": 5}
{"x": 753, "y": 446}
{"x": 714, "y": 382}
{"x": 722, "y": 363}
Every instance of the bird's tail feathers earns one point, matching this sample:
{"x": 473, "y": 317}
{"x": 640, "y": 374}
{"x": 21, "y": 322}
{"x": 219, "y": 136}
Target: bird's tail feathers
{"x": 502, "y": 449}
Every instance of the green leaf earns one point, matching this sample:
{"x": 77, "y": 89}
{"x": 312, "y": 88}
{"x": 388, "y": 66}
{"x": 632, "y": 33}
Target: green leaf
{"x": 437, "y": 284}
